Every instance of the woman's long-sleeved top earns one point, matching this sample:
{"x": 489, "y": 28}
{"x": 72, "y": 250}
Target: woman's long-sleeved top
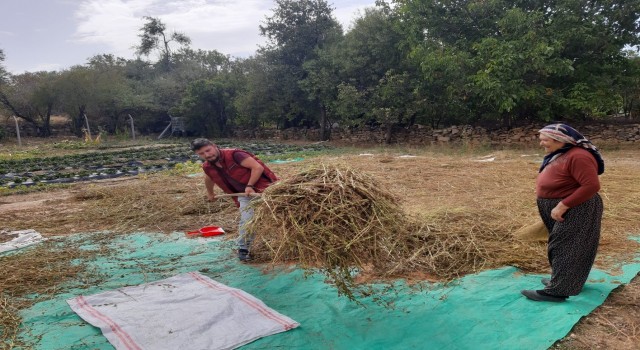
{"x": 573, "y": 176}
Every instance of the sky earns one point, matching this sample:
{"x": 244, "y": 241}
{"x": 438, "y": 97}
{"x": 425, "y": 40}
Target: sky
{"x": 49, "y": 35}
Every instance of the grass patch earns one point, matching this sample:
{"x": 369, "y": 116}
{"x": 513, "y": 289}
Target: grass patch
{"x": 22, "y": 189}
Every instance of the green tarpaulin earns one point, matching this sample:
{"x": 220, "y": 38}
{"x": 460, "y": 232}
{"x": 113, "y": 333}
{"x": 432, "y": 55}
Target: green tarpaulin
{"x": 485, "y": 310}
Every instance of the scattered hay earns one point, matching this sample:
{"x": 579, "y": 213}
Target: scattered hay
{"x": 470, "y": 208}
{"x": 620, "y": 192}
{"x": 10, "y": 321}
{"x": 454, "y": 244}
{"x": 340, "y": 220}
{"x": 158, "y": 202}
{"x": 155, "y": 202}
{"x": 35, "y": 274}
{"x": 613, "y": 325}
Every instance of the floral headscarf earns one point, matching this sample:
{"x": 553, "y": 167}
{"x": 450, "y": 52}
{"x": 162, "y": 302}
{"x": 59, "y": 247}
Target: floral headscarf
{"x": 571, "y": 138}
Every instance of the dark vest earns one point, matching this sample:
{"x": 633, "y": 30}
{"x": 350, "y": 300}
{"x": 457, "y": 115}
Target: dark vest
{"x": 237, "y": 172}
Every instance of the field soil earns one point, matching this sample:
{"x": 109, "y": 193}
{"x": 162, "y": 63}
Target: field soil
{"x": 425, "y": 181}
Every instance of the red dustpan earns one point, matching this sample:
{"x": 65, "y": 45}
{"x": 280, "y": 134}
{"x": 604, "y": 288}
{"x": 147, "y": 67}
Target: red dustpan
{"x": 207, "y": 231}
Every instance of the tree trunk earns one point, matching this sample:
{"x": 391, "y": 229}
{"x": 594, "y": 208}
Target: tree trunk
{"x": 412, "y": 119}
{"x": 77, "y": 123}
{"x": 46, "y": 121}
{"x": 627, "y": 107}
{"x": 221, "y": 119}
{"x": 324, "y": 127}
{"x": 388, "y": 134}
{"x": 42, "y": 130}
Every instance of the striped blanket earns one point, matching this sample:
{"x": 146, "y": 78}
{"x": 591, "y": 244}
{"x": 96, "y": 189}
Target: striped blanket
{"x": 187, "y": 311}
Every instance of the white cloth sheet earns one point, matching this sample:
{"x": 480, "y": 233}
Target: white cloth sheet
{"x": 21, "y": 239}
{"x": 187, "y": 311}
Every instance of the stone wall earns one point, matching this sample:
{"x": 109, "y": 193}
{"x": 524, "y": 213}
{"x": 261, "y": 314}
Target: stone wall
{"x": 465, "y": 134}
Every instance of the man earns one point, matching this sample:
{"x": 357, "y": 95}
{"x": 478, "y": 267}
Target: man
{"x": 234, "y": 171}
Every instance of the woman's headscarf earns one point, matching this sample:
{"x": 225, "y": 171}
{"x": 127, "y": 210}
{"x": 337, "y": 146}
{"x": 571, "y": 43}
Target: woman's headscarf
{"x": 571, "y": 138}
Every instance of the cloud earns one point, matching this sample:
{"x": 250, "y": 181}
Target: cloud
{"x": 48, "y": 67}
{"x": 111, "y": 22}
{"x": 346, "y": 15}
{"x": 229, "y": 26}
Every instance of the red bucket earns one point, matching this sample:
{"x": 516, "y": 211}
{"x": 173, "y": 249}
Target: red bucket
{"x": 207, "y": 231}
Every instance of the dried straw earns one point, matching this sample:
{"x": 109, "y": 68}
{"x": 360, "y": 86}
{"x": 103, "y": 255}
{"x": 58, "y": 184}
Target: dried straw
{"x": 157, "y": 202}
{"x": 329, "y": 217}
{"x": 339, "y": 220}
{"x": 456, "y": 216}
{"x": 613, "y": 325}
{"x": 37, "y": 274}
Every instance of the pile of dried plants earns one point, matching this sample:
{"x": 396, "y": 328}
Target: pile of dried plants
{"x": 331, "y": 218}
{"x": 342, "y": 221}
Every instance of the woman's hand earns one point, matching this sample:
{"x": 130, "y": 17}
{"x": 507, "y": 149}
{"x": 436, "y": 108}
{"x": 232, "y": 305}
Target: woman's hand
{"x": 558, "y": 212}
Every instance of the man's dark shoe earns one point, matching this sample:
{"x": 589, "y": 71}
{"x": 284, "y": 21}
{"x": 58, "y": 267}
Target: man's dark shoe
{"x": 540, "y": 295}
{"x": 243, "y": 255}
{"x": 545, "y": 281}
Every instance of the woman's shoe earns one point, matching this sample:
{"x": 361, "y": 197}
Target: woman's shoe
{"x": 540, "y": 295}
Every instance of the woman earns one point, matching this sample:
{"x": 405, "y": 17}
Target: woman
{"x": 571, "y": 208}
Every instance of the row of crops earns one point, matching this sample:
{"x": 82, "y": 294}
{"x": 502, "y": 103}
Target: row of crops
{"x": 111, "y": 164}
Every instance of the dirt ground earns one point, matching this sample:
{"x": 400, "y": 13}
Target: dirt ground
{"x": 436, "y": 179}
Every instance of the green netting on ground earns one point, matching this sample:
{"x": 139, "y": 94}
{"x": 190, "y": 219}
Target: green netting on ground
{"x": 485, "y": 310}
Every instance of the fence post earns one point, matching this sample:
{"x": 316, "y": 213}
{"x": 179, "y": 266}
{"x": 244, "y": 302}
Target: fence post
{"x": 87, "y": 122}
{"x": 133, "y": 132}
{"x": 18, "y": 131}
{"x": 164, "y": 131}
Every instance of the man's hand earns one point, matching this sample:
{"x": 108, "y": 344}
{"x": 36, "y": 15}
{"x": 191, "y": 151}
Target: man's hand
{"x": 208, "y": 184}
{"x": 256, "y": 172}
{"x": 249, "y": 191}
{"x": 558, "y": 212}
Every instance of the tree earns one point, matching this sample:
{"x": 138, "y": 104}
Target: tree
{"x": 514, "y": 70}
{"x": 3, "y": 78}
{"x": 297, "y": 28}
{"x": 392, "y": 101}
{"x": 295, "y": 33}
{"x": 524, "y": 60}
{"x": 208, "y": 107}
{"x": 3, "y": 72}
{"x": 371, "y": 63}
{"x": 629, "y": 85}
{"x": 32, "y": 97}
{"x": 155, "y": 37}
{"x": 350, "y": 105}
{"x": 442, "y": 88}
{"x": 321, "y": 85}
{"x": 371, "y": 48}
{"x": 77, "y": 90}
{"x": 258, "y": 97}
{"x": 191, "y": 64}
{"x": 594, "y": 35}
{"x": 103, "y": 91}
